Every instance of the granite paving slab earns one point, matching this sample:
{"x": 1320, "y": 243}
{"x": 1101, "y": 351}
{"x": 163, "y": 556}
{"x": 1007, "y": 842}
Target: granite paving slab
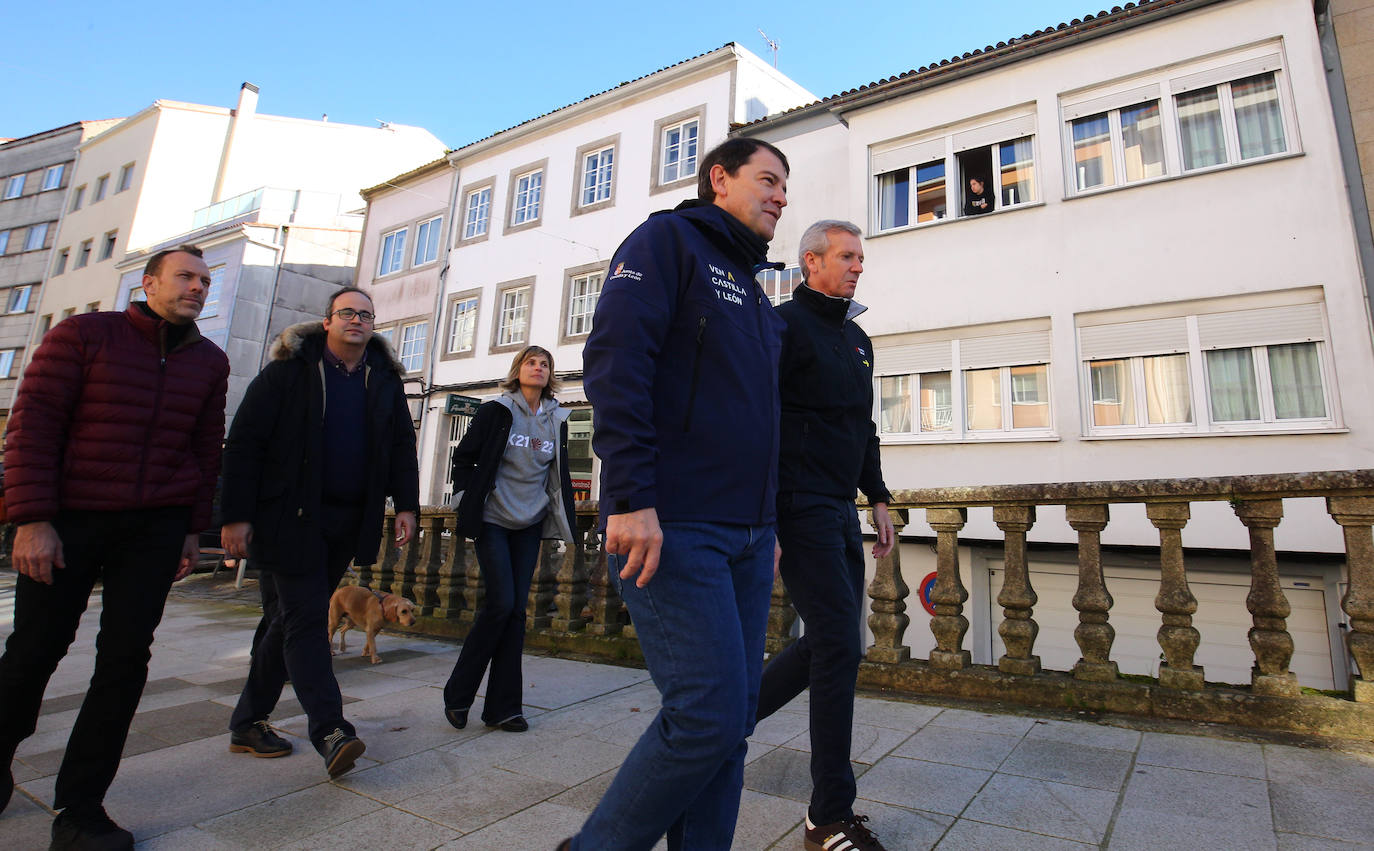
{"x": 1065, "y": 762}
{"x": 482, "y": 799}
{"x": 389, "y": 829}
{"x": 290, "y": 817}
{"x": 1196, "y": 753}
{"x": 922, "y": 785}
{"x": 1084, "y": 733}
{"x": 1039, "y": 806}
{"x": 1345, "y": 813}
{"x": 983, "y": 722}
{"x": 539, "y": 827}
{"x": 974, "y": 836}
{"x": 955, "y": 746}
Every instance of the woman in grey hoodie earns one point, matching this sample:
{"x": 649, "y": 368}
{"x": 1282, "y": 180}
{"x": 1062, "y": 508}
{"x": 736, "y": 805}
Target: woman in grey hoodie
{"x": 512, "y": 469}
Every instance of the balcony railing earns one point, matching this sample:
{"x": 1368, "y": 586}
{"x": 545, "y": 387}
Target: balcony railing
{"x": 573, "y": 606}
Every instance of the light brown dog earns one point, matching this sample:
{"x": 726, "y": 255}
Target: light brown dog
{"x": 356, "y": 606}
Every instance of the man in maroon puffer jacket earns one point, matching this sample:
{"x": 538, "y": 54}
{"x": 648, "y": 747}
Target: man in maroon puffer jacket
{"x": 112, "y": 453}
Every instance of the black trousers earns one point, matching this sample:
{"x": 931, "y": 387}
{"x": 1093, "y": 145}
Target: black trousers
{"x": 134, "y": 554}
{"x": 292, "y": 639}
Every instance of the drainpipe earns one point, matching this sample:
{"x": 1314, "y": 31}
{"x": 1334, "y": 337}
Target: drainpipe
{"x": 247, "y": 108}
{"x": 427, "y": 422}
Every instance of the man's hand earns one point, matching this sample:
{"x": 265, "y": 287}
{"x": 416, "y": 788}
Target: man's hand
{"x": 37, "y": 551}
{"x": 777, "y": 557}
{"x": 190, "y": 554}
{"x": 638, "y": 537}
{"x": 235, "y": 538}
{"x": 882, "y": 524}
{"x": 405, "y": 527}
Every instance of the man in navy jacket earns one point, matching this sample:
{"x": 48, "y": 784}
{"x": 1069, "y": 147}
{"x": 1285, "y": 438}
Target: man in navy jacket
{"x": 681, "y": 370}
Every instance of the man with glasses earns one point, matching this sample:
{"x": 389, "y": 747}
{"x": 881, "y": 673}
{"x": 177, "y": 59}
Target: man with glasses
{"x": 323, "y": 436}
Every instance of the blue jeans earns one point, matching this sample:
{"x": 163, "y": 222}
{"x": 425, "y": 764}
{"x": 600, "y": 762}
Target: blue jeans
{"x": 507, "y": 558}
{"x": 823, "y": 569}
{"x": 701, "y": 623}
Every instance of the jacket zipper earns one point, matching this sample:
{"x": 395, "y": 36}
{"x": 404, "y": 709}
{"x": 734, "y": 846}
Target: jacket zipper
{"x": 157, "y": 411}
{"x": 696, "y": 372}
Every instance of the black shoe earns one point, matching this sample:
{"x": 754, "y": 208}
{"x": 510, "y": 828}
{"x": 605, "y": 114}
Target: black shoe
{"x": 259, "y": 739}
{"x": 340, "y": 752}
{"x": 457, "y": 717}
{"x": 565, "y": 845}
{"x": 86, "y": 826}
{"x": 513, "y": 724}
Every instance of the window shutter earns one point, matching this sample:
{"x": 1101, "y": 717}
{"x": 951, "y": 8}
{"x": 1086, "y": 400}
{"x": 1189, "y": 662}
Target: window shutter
{"x": 1002, "y": 131}
{"x": 916, "y": 153}
{"x": 1005, "y": 350}
{"x": 1112, "y": 101}
{"x": 915, "y": 357}
{"x": 1125, "y": 339}
{"x": 1226, "y": 73}
{"x": 1299, "y": 323}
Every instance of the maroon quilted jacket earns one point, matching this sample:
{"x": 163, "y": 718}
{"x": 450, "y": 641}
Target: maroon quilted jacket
{"x": 106, "y": 421}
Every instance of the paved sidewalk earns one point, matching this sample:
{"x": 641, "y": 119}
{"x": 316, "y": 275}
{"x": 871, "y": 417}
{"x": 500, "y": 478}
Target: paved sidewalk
{"x": 931, "y": 775}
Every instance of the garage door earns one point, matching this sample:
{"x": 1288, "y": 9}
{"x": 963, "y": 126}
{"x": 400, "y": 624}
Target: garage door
{"x": 1221, "y": 618}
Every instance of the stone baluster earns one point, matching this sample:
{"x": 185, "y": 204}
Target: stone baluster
{"x": 542, "y": 587}
{"x": 452, "y": 574}
{"x": 1356, "y": 515}
{"x": 604, "y": 600}
{"x": 1092, "y": 600}
{"x": 888, "y": 619}
{"x": 407, "y": 565}
{"x": 1177, "y": 636}
{"x": 781, "y": 618}
{"x": 474, "y": 586}
{"x": 1269, "y": 609}
{"x": 1018, "y": 628}
{"x": 384, "y": 572}
{"x": 429, "y": 564}
{"x": 948, "y": 624}
{"x": 572, "y": 579}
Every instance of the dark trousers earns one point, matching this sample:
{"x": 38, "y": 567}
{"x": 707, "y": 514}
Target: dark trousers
{"x": 134, "y": 554}
{"x": 507, "y": 558}
{"x": 292, "y": 639}
{"x": 823, "y": 569}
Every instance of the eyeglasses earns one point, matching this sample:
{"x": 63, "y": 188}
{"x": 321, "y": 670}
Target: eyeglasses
{"x": 347, "y": 314}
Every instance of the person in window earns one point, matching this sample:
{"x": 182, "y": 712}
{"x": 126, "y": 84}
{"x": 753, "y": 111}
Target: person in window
{"x": 979, "y": 199}
{"x": 512, "y": 469}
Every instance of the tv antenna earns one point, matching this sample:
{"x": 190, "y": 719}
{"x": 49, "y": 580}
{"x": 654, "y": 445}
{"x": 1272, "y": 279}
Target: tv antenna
{"x": 772, "y": 46}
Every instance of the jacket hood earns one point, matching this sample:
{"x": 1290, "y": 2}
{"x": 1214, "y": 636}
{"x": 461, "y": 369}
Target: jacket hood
{"x": 509, "y": 397}
{"x": 302, "y": 337}
{"x": 724, "y": 228}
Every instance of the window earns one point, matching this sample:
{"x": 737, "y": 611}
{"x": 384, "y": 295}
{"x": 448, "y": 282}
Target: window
{"x": 107, "y": 247}
{"x": 52, "y": 178}
{"x": 583, "y": 291}
{"x": 462, "y": 324}
{"x": 413, "y": 345}
{"x": 388, "y": 334}
{"x": 779, "y": 284}
{"x": 14, "y": 187}
{"x": 457, "y": 427}
{"x": 972, "y": 388}
{"x": 92, "y": 306}
{"x": 4, "y": 241}
{"x": 680, "y": 151}
{"x": 393, "y": 252}
{"x": 1230, "y": 122}
{"x": 60, "y": 265}
{"x": 101, "y": 184}
{"x": 528, "y": 191}
{"x": 1256, "y": 369}
{"x": 477, "y": 213}
{"x": 512, "y": 325}
{"x": 68, "y": 311}
{"x": 38, "y": 234}
{"x": 427, "y": 241}
{"x": 78, "y": 196}
{"x": 126, "y": 178}
{"x": 212, "y": 295}
{"x": 18, "y": 301}
{"x": 1123, "y": 145}
{"x": 44, "y": 323}
{"x": 6, "y": 363}
{"x": 137, "y": 294}
{"x": 83, "y": 255}
{"x": 596, "y": 166}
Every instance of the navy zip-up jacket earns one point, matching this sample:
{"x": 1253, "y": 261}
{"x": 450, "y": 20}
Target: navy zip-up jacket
{"x": 681, "y": 369}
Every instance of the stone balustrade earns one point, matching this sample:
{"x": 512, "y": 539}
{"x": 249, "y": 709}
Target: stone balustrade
{"x": 574, "y": 607}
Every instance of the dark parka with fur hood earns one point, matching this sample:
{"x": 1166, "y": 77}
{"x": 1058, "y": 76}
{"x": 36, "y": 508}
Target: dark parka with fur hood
{"x": 275, "y": 452}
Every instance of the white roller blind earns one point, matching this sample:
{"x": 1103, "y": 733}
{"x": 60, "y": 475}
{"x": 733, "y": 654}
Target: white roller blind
{"x": 1002, "y": 131}
{"x": 1124, "y": 339}
{"x": 1005, "y": 350}
{"x": 1299, "y": 323}
{"x": 1112, "y": 101}
{"x": 1226, "y": 73}
{"x": 914, "y": 357}
{"x": 915, "y": 153}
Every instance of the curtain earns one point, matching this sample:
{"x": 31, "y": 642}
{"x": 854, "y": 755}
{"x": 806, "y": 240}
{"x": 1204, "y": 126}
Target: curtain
{"x": 896, "y": 404}
{"x": 1231, "y": 382}
{"x": 1295, "y": 373}
{"x": 894, "y": 208}
{"x": 1199, "y": 121}
{"x": 1259, "y": 122}
{"x": 1168, "y": 398}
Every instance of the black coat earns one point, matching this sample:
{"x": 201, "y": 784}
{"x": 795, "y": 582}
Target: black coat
{"x": 829, "y": 440}
{"x": 477, "y": 459}
{"x": 275, "y": 451}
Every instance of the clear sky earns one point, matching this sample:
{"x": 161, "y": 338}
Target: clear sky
{"x": 461, "y": 69}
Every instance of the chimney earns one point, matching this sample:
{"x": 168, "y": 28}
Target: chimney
{"x": 248, "y": 101}
{"x": 238, "y": 117}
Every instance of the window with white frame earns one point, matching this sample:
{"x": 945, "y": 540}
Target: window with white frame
{"x": 597, "y": 171}
{"x": 512, "y": 328}
{"x": 14, "y": 187}
{"x": 678, "y": 155}
{"x": 102, "y": 183}
{"x": 583, "y": 291}
{"x": 388, "y": 334}
{"x": 529, "y": 189}
{"x": 18, "y": 301}
{"x": 927, "y": 180}
{"x": 78, "y": 197}
{"x": 1258, "y": 369}
{"x": 107, "y": 247}
{"x": 52, "y": 178}
{"x": 413, "y": 345}
{"x": 457, "y": 427}
{"x": 427, "y": 241}
{"x": 392, "y": 256}
{"x": 778, "y": 284}
{"x": 137, "y": 294}
{"x": 462, "y": 324}
{"x": 477, "y": 213}
{"x": 212, "y": 295}
{"x": 7, "y": 362}
{"x": 126, "y": 178}
{"x": 971, "y": 388}
{"x": 38, "y": 234}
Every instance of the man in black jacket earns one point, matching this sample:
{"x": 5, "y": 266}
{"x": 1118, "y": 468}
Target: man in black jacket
{"x": 829, "y": 447}
{"x": 323, "y": 436}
